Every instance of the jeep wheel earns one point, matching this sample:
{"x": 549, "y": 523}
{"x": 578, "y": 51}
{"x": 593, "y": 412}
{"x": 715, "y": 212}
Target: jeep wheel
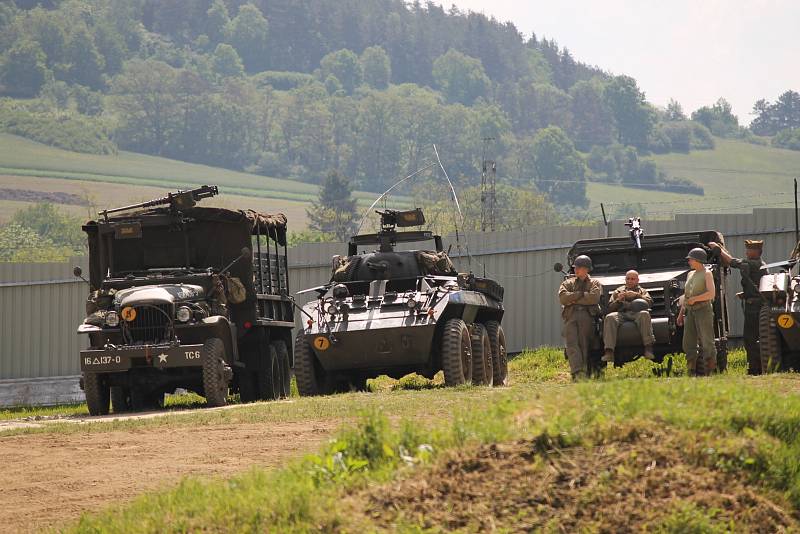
{"x": 497, "y": 339}
{"x": 456, "y": 353}
{"x": 310, "y": 376}
{"x": 769, "y": 342}
{"x": 97, "y": 393}
{"x": 482, "y": 370}
{"x": 269, "y": 375}
{"x": 120, "y": 399}
{"x": 215, "y": 383}
{"x": 283, "y": 363}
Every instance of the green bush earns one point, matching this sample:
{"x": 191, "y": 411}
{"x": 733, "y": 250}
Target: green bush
{"x": 787, "y": 139}
{"x": 62, "y": 129}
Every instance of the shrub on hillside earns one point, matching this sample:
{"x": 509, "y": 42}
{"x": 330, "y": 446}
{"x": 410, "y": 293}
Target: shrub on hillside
{"x": 62, "y": 129}
{"x": 701, "y": 137}
{"x": 787, "y": 138}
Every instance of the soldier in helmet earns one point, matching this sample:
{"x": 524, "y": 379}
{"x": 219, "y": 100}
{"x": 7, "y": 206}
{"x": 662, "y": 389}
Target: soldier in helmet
{"x": 752, "y": 268}
{"x": 580, "y": 298}
{"x": 697, "y": 315}
{"x": 624, "y": 304}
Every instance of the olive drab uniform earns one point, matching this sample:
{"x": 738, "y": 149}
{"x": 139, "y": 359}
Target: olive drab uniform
{"x": 620, "y": 312}
{"x": 752, "y": 271}
{"x": 580, "y": 301}
{"x": 698, "y": 327}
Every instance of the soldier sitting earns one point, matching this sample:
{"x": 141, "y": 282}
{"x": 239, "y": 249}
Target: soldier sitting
{"x": 622, "y": 307}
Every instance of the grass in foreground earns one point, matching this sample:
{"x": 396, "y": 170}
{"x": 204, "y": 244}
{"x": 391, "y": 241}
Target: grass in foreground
{"x": 566, "y": 443}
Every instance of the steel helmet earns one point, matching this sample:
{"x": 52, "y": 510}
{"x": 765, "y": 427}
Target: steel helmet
{"x": 638, "y": 305}
{"x": 697, "y": 254}
{"x": 582, "y": 261}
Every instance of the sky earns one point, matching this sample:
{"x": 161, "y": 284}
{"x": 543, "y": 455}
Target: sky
{"x": 694, "y": 51}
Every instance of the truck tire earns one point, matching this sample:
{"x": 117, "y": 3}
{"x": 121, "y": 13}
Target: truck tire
{"x": 98, "y": 394}
{"x": 283, "y": 363}
{"x": 143, "y": 400}
{"x": 215, "y": 384}
{"x": 311, "y": 380}
{"x": 497, "y": 339}
{"x": 482, "y": 370}
{"x": 269, "y": 375}
{"x": 769, "y": 342}
{"x": 120, "y": 399}
{"x": 456, "y": 353}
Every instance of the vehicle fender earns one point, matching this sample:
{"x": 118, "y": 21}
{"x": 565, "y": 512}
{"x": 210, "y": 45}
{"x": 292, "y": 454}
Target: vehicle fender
{"x": 222, "y": 328}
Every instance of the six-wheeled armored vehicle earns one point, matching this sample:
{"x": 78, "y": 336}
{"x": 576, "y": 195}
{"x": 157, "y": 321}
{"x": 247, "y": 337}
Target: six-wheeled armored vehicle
{"x": 660, "y": 260}
{"x": 185, "y": 297}
{"x": 397, "y": 312}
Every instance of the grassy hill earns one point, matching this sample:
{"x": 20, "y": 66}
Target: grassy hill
{"x": 129, "y": 177}
{"x": 736, "y": 176}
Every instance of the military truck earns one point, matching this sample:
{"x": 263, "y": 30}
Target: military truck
{"x": 779, "y": 332}
{"x": 396, "y": 312}
{"x": 178, "y": 299}
{"x": 660, "y": 260}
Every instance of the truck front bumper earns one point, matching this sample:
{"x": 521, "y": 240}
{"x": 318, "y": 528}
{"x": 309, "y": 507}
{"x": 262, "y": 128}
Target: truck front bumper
{"x": 109, "y": 360}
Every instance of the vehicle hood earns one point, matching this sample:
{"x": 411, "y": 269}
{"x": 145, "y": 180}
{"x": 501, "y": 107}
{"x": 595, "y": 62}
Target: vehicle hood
{"x": 158, "y": 294}
{"x": 644, "y": 278}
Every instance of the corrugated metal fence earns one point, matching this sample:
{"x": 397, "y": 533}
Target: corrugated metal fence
{"x": 42, "y": 304}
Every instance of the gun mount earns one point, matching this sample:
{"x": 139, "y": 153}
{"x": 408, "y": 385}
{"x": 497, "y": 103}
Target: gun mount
{"x": 388, "y": 236}
{"x": 182, "y": 200}
{"x": 636, "y": 231}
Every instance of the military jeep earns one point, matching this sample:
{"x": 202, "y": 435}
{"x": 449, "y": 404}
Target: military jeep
{"x": 660, "y": 260}
{"x": 188, "y": 297}
{"x": 394, "y": 312}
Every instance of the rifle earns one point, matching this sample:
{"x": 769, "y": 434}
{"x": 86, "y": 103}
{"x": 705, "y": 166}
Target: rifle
{"x": 179, "y": 201}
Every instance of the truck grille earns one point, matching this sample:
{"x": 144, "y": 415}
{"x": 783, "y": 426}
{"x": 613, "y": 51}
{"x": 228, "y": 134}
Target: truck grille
{"x": 153, "y": 324}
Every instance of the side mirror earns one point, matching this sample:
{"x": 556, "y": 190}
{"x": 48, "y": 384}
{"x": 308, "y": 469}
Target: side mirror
{"x": 558, "y": 267}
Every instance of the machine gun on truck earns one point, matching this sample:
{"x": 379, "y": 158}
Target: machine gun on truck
{"x": 185, "y": 296}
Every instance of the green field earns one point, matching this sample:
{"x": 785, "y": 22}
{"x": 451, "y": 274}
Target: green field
{"x": 629, "y": 452}
{"x": 22, "y": 157}
{"x": 736, "y": 176}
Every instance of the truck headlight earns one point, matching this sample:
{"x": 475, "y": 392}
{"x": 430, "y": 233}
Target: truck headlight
{"x": 184, "y": 314}
{"x": 112, "y": 318}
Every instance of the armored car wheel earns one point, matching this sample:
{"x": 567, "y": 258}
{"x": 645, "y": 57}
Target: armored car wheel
{"x": 283, "y": 363}
{"x": 456, "y": 353}
{"x": 482, "y": 370}
{"x": 769, "y": 342}
{"x": 269, "y": 375}
{"x": 497, "y": 339}
{"x": 215, "y": 383}
{"x": 310, "y": 376}
{"x": 97, "y": 393}
{"x": 120, "y": 399}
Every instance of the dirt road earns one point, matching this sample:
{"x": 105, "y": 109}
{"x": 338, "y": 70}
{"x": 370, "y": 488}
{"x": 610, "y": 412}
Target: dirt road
{"x": 50, "y": 479}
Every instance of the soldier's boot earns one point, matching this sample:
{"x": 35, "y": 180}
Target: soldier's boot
{"x": 648, "y": 352}
{"x": 608, "y": 356}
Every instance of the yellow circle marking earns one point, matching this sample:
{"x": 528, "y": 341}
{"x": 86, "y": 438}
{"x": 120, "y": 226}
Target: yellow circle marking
{"x": 129, "y": 313}
{"x": 785, "y": 320}
{"x": 322, "y": 343}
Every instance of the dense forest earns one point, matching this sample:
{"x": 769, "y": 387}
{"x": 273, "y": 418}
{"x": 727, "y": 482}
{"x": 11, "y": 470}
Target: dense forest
{"x": 363, "y": 88}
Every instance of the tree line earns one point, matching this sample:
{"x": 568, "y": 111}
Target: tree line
{"x": 300, "y": 88}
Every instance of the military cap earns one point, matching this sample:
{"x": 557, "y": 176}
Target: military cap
{"x": 754, "y": 243}
{"x": 697, "y": 254}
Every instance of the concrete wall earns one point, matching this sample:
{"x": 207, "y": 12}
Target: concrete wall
{"x": 41, "y": 305}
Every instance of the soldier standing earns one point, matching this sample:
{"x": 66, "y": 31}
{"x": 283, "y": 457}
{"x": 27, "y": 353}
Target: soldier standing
{"x": 752, "y": 268}
{"x": 580, "y": 298}
{"x": 620, "y": 308}
{"x": 697, "y": 314}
